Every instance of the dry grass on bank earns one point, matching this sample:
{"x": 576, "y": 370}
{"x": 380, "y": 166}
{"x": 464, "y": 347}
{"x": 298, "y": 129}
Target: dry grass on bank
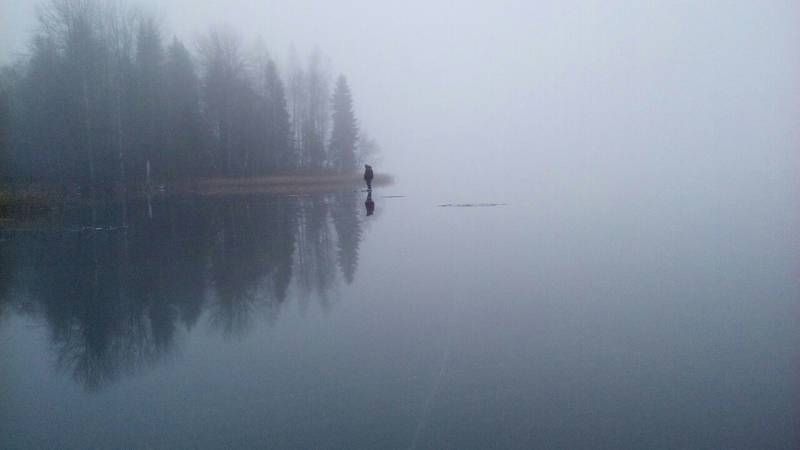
{"x": 278, "y": 184}
{"x": 32, "y": 198}
{"x": 23, "y": 199}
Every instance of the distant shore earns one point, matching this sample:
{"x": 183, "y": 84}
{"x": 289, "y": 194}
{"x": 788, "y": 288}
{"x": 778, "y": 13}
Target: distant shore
{"x": 42, "y": 197}
{"x": 278, "y": 184}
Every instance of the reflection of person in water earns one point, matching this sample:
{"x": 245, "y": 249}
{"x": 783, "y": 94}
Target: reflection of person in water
{"x": 369, "y": 204}
{"x": 368, "y": 176}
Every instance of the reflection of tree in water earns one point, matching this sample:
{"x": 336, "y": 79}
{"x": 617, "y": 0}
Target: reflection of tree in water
{"x": 250, "y": 261}
{"x": 6, "y": 276}
{"x": 116, "y": 301}
{"x": 347, "y": 222}
{"x": 105, "y": 319}
{"x": 315, "y": 268}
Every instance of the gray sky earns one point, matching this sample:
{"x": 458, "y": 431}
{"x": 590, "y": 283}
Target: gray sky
{"x": 516, "y": 89}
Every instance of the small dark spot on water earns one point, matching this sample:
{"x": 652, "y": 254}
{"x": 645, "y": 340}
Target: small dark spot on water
{"x": 85, "y": 229}
{"x": 471, "y": 205}
{"x": 393, "y": 196}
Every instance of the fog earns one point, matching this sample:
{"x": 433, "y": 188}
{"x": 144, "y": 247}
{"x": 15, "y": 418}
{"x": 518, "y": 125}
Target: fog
{"x": 586, "y": 95}
{"x": 615, "y": 267}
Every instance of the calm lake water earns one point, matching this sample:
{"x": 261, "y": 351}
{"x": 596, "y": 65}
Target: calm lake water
{"x": 588, "y": 319}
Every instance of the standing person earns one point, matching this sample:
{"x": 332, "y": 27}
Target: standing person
{"x": 368, "y": 175}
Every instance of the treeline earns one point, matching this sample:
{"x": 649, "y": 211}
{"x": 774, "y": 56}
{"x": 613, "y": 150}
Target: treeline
{"x": 104, "y": 100}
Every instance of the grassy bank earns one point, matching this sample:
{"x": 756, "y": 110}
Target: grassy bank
{"x": 276, "y": 184}
{"x": 32, "y": 198}
{"x": 24, "y": 200}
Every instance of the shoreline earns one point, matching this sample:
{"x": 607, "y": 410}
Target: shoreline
{"x": 32, "y": 198}
{"x": 277, "y": 184}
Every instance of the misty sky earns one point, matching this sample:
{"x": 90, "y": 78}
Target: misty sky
{"x": 556, "y": 89}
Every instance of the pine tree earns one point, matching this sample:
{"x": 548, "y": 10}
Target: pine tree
{"x": 345, "y": 129}
{"x": 315, "y": 123}
{"x": 85, "y": 58}
{"x": 150, "y": 113}
{"x": 278, "y": 126}
{"x": 224, "y": 71}
{"x": 42, "y": 108}
{"x": 296, "y": 104}
{"x": 184, "y": 122}
{"x": 5, "y": 127}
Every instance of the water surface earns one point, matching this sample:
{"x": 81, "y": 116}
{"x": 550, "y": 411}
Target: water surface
{"x": 590, "y": 320}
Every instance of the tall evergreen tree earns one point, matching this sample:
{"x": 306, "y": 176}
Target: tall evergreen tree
{"x": 150, "y": 111}
{"x": 87, "y": 63}
{"x": 223, "y": 64}
{"x": 345, "y": 129}
{"x": 45, "y": 144}
{"x": 315, "y": 120}
{"x": 120, "y": 34}
{"x": 184, "y": 122}
{"x": 5, "y": 126}
{"x": 278, "y": 127}
{"x": 296, "y": 104}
